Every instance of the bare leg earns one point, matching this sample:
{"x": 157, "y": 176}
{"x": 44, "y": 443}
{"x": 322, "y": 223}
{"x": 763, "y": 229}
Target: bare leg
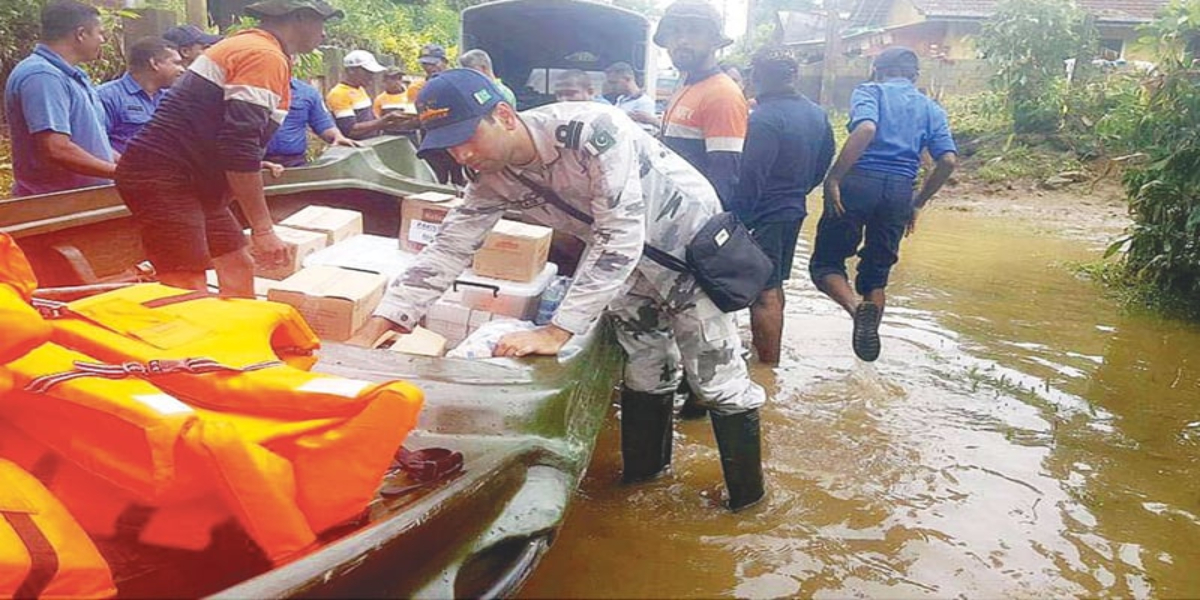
{"x": 235, "y": 274}
{"x": 877, "y": 297}
{"x": 766, "y": 323}
{"x": 838, "y": 288}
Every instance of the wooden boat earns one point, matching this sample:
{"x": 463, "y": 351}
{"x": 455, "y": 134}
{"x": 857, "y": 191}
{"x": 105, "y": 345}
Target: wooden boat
{"x": 526, "y": 428}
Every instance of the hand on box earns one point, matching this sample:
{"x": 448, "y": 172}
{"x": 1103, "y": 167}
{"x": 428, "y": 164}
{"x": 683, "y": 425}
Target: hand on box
{"x": 268, "y": 250}
{"x": 374, "y": 331}
{"x": 546, "y": 340}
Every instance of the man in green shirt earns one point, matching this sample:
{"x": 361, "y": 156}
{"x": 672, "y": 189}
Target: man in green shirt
{"x": 481, "y": 61}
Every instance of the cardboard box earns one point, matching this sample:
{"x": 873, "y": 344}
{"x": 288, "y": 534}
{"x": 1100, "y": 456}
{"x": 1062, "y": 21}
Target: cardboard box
{"x": 421, "y": 342}
{"x": 335, "y": 302}
{"x": 366, "y": 252}
{"x": 513, "y": 251}
{"x": 421, "y": 217}
{"x": 336, "y": 223}
{"x": 303, "y": 244}
{"x": 453, "y": 319}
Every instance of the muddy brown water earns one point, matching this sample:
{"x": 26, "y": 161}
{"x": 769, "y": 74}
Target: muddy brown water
{"x": 1021, "y": 436}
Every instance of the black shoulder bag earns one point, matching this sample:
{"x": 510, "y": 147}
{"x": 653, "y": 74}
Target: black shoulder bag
{"x": 723, "y": 256}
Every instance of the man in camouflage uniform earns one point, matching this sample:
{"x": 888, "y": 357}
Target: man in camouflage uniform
{"x": 604, "y": 168}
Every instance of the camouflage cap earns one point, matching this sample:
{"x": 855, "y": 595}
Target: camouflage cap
{"x": 279, "y": 8}
{"x": 691, "y": 10}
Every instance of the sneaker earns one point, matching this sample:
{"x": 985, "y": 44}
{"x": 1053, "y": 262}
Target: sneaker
{"x": 866, "y": 331}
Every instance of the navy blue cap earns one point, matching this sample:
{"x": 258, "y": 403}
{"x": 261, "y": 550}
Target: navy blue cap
{"x": 896, "y": 57}
{"x": 451, "y": 105}
{"x": 187, "y": 35}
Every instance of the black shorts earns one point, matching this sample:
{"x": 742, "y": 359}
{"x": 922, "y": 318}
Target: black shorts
{"x": 184, "y": 223}
{"x": 778, "y": 241}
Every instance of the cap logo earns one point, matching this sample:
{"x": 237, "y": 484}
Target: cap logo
{"x": 432, "y": 114}
{"x": 483, "y": 96}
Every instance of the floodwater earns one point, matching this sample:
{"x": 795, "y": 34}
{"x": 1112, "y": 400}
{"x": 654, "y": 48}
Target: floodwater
{"x": 1021, "y": 436}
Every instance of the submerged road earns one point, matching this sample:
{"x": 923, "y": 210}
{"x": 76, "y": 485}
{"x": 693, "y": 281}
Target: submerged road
{"x": 1021, "y": 435}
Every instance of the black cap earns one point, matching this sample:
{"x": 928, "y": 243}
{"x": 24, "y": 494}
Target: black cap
{"x": 896, "y": 57}
{"x": 775, "y": 56}
{"x": 188, "y": 35}
{"x": 279, "y": 8}
{"x": 692, "y": 10}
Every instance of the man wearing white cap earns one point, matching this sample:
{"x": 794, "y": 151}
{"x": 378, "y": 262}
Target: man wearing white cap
{"x": 351, "y": 105}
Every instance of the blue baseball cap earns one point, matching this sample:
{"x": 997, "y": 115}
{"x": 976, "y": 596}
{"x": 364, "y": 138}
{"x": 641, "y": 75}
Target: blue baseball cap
{"x": 451, "y": 105}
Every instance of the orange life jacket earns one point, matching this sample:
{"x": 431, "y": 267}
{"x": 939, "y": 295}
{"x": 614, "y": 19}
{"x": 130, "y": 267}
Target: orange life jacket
{"x": 44, "y": 553}
{"x": 23, "y": 330}
{"x": 173, "y": 402}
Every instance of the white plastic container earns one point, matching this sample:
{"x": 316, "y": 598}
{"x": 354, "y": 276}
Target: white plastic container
{"x": 501, "y": 297}
{"x": 373, "y": 253}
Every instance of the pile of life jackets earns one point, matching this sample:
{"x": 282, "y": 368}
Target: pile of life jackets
{"x": 182, "y": 409}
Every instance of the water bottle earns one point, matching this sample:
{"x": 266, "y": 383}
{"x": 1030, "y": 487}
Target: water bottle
{"x": 551, "y": 298}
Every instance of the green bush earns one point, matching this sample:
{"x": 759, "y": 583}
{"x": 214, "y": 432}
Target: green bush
{"x": 1027, "y": 41}
{"x": 1163, "y": 247}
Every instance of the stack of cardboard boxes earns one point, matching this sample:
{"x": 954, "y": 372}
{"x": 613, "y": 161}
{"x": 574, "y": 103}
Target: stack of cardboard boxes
{"x": 339, "y": 276}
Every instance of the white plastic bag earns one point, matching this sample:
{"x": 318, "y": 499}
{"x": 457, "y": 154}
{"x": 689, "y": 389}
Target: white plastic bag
{"x": 481, "y": 343}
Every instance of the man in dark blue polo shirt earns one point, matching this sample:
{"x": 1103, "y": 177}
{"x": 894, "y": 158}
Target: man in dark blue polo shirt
{"x": 130, "y": 101}
{"x": 54, "y": 116}
{"x": 789, "y": 145}
{"x": 869, "y": 190}
{"x": 289, "y": 145}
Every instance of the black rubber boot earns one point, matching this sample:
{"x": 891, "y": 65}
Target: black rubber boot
{"x": 691, "y": 409}
{"x": 645, "y": 434}
{"x": 739, "y": 438}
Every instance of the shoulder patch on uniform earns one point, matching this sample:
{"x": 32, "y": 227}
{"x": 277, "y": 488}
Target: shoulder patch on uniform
{"x": 604, "y": 136}
{"x": 569, "y": 135}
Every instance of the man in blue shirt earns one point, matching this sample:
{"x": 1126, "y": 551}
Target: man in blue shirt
{"x": 870, "y": 189}
{"x": 289, "y": 145}
{"x": 54, "y": 116}
{"x": 622, "y": 80}
{"x": 129, "y": 102}
{"x": 789, "y": 145}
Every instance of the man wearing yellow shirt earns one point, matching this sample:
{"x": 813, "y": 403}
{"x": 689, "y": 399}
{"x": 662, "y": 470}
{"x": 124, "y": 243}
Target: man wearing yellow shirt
{"x": 393, "y": 98}
{"x": 349, "y": 102}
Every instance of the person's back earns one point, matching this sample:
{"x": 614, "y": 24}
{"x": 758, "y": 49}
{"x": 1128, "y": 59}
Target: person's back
{"x": 906, "y": 123}
{"x": 869, "y": 191}
{"x": 803, "y": 150}
{"x": 196, "y": 130}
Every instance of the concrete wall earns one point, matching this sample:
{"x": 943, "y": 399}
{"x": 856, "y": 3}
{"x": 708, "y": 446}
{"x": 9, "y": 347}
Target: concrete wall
{"x": 939, "y": 79}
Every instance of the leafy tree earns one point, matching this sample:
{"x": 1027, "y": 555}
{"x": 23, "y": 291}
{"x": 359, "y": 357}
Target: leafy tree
{"x": 1028, "y": 42}
{"x": 1164, "y": 193}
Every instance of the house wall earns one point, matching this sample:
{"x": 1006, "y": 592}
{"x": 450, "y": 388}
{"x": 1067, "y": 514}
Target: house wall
{"x": 939, "y": 78}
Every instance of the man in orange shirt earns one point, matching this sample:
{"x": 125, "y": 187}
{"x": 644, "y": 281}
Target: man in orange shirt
{"x": 204, "y": 148}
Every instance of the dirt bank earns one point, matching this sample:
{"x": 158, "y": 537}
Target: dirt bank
{"x": 1092, "y": 211}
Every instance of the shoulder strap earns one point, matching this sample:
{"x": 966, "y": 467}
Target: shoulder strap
{"x": 552, "y": 197}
